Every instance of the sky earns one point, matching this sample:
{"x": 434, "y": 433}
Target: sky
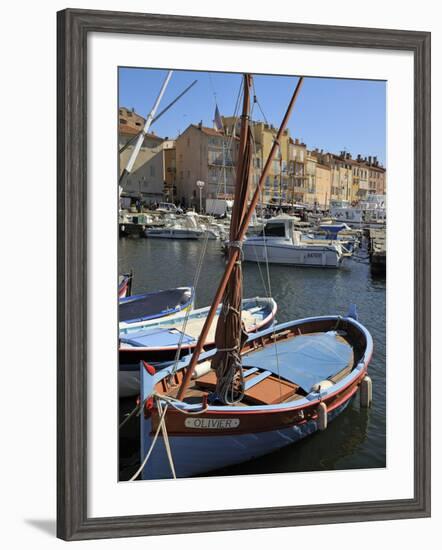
{"x": 330, "y": 114}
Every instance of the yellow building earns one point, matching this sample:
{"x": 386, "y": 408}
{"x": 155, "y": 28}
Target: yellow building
{"x": 376, "y": 177}
{"x": 276, "y": 186}
{"x": 297, "y": 172}
{"x": 341, "y": 176}
{"x": 204, "y": 154}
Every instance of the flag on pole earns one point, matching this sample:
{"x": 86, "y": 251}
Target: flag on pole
{"x": 217, "y": 122}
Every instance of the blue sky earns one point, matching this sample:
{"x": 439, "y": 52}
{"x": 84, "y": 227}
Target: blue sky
{"x": 331, "y": 114}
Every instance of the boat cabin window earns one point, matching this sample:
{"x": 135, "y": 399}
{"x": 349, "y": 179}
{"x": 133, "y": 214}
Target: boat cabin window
{"x": 273, "y": 230}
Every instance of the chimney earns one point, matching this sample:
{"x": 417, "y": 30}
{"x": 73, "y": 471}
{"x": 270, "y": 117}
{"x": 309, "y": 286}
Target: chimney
{"x": 369, "y": 160}
{"x": 296, "y": 141}
{"x": 200, "y": 124}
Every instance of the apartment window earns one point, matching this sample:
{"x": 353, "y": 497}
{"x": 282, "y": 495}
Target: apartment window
{"x": 122, "y": 121}
{"x": 152, "y": 171}
{"x": 215, "y": 157}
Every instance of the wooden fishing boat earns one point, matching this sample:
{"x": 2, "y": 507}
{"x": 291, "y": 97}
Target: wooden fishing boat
{"x": 299, "y": 376}
{"x": 125, "y": 285}
{"x": 160, "y": 341}
{"x": 256, "y": 393}
{"x": 136, "y": 310}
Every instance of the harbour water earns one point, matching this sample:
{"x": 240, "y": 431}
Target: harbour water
{"x": 357, "y": 438}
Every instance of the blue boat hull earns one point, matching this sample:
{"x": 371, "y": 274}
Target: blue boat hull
{"x": 193, "y": 455}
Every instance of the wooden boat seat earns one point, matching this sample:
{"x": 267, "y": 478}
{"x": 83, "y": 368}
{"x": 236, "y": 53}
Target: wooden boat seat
{"x": 256, "y": 379}
{"x": 261, "y": 388}
{"x": 248, "y": 372}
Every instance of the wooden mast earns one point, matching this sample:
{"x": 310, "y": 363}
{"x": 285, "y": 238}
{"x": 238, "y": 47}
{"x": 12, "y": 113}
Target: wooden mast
{"x": 235, "y": 252}
{"x": 230, "y": 335}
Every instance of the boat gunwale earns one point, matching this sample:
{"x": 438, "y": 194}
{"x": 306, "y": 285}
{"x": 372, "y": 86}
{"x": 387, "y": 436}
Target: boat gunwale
{"x": 311, "y": 406}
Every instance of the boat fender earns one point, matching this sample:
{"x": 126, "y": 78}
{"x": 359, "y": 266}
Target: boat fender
{"x": 201, "y": 370}
{"x": 149, "y": 368}
{"x": 323, "y": 385}
{"x": 322, "y": 416}
{"x": 366, "y": 393}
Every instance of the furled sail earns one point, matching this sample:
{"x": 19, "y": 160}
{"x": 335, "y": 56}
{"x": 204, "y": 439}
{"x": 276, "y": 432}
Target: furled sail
{"x": 230, "y": 334}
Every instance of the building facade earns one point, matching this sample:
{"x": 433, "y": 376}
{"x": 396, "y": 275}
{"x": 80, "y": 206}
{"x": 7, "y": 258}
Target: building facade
{"x": 146, "y": 180}
{"x": 276, "y": 187}
{"x": 170, "y": 187}
{"x": 208, "y": 156}
{"x": 170, "y": 169}
{"x": 129, "y": 118}
{"x": 297, "y": 171}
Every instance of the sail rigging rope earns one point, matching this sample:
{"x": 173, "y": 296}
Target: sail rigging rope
{"x": 152, "y": 445}
{"x": 268, "y": 288}
{"x": 166, "y": 439}
{"x": 170, "y": 401}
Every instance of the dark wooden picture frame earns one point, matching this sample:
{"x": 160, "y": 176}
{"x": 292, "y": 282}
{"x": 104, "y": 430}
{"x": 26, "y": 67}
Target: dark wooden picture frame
{"x": 73, "y": 28}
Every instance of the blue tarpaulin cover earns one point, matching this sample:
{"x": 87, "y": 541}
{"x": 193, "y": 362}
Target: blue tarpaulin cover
{"x": 304, "y": 360}
{"x": 156, "y": 337}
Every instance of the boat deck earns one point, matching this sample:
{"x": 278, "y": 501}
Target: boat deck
{"x": 285, "y": 373}
{"x": 195, "y": 326}
{"x": 169, "y": 334}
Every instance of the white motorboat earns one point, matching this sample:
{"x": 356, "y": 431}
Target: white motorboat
{"x": 183, "y": 227}
{"x": 280, "y": 243}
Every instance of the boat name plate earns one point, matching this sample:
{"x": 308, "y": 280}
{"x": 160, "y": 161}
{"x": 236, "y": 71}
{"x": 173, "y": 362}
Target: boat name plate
{"x": 212, "y": 423}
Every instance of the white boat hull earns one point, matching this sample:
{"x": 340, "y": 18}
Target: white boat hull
{"x": 174, "y": 233}
{"x": 290, "y": 254}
